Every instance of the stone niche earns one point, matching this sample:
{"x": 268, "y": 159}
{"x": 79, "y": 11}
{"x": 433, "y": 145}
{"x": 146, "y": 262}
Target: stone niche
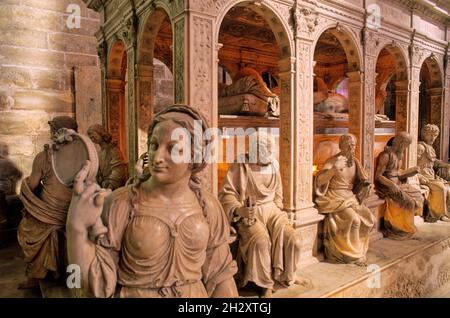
{"x": 335, "y": 95}
{"x": 248, "y": 78}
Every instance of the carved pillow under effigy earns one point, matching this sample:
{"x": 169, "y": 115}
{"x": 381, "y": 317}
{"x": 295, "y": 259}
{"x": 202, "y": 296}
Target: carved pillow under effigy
{"x": 249, "y": 96}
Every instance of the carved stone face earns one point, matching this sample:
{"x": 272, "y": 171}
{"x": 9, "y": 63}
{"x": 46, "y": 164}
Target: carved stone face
{"x": 161, "y": 164}
{"x": 349, "y": 147}
{"x": 402, "y": 146}
{"x": 429, "y": 137}
{"x": 95, "y": 137}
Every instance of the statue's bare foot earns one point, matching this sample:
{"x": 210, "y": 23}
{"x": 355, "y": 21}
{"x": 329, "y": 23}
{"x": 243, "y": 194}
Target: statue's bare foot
{"x": 29, "y": 283}
{"x": 302, "y": 281}
{"x": 445, "y": 218}
{"x": 266, "y": 293}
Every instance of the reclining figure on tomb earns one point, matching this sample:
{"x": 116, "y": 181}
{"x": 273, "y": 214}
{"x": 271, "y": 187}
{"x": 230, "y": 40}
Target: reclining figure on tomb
{"x": 341, "y": 187}
{"x": 248, "y": 96}
{"x": 437, "y": 190}
{"x": 402, "y": 200}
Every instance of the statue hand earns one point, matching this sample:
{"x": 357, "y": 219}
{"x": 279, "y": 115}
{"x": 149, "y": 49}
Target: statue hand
{"x": 87, "y": 201}
{"x": 395, "y": 189}
{"x": 246, "y": 212}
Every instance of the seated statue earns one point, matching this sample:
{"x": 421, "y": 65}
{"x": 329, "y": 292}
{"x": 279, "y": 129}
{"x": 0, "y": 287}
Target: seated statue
{"x": 269, "y": 246}
{"x": 248, "y": 95}
{"x": 112, "y": 173}
{"x": 9, "y": 175}
{"x": 41, "y": 233}
{"x": 341, "y": 187}
{"x": 403, "y": 201}
{"x": 438, "y": 189}
{"x": 167, "y": 237}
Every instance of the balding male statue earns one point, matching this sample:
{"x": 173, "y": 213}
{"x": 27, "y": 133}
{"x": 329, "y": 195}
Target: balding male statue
{"x": 341, "y": 187}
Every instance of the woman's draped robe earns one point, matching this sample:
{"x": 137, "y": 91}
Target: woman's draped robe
{"x": 438, "y": 189}
{"x": 146, "y": 254}
{"x": 347, "y": 223}
{"x": 269, "y": 250}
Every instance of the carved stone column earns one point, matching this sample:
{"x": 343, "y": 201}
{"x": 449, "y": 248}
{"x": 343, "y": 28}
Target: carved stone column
{"x": 401, "y": 105}
{"x": 368, "y": 116}
{"x": 301, "y": 134}
{"x": 194, "y": 75}
{"x": 445, "y": 133}
{"x": 412, "y": 120}
{"x": 102, "y": 51}
{"x": 307, "y": 218}
{"x": 355, "y": 111}
{"x": 436, "y": 113}
{"x": 412, "y": 116}
{"x": 145, "y": 93}
{"x": 115, "y": 111}
{"x": 132, "y": 149}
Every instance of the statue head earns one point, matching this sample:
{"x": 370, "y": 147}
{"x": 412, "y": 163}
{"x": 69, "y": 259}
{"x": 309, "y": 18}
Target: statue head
{"x": 401, "y": 141}
{"x": 429, "y": 133}
{"x": 266, "y": 147}
{"x": 4, "y": 150}
{"x": 98, "y": 134}
{"x": 347, "y": 144}
{"x": 59, "y": 122}
{"x": 166, "y": 145}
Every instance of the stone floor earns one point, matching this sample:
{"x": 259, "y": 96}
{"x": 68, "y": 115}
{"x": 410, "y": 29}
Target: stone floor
{"x": 429, "y": 248}
{"x": 12, "y": 272}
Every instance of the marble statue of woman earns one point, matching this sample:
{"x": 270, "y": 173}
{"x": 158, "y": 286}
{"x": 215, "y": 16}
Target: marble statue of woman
{"x": 269, "y": 246}
{"x": 438, "y": 189}
{"x": 341, "y": 186}
{"x": 167, "y": 237}
{"x": 403, "y": 200}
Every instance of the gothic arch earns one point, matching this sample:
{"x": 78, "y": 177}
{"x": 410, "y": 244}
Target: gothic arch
{"x": 149, "y": 27}
{"x": 431, "y": 103}
{"x": 274, "y": 16}
{"x": 117, "y": 57}
{"x": 348, "y": 41}
{"x": 116, "y": 92}
{"x": 277, "y": 22}
{"x": 353, "y": 71}
{"x": 155, "y": 40}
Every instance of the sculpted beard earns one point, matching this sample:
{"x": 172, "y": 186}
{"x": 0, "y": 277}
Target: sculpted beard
{"x": 350, "y": 158}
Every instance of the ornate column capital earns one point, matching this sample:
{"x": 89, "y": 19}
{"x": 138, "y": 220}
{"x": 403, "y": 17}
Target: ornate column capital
{"x": 304, "y": 20}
